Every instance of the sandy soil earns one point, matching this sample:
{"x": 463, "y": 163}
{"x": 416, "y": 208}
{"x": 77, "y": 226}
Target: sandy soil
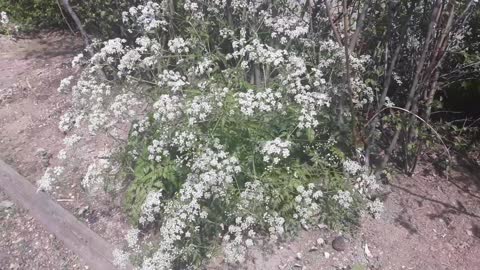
{"x": 30, "y": 107}
{"x": 429, "y": 222}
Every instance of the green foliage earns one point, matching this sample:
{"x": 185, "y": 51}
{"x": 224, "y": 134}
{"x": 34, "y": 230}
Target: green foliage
{"x": 99, "y": 17}
{"x": 33, "y": 14}
{"x": 103, "y": 17}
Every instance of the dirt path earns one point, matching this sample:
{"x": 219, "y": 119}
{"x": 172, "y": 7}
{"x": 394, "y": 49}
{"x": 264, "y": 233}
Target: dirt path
{"x": 30, "y": 107}
{"x": 428, "y": 223}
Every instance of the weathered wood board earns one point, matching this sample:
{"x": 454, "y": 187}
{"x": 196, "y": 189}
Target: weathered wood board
{"x": 90, "y": 247}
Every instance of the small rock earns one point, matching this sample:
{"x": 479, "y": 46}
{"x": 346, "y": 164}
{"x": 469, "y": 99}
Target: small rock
{"x": 367, "y": 251}
{"x": 339, "y": 243}
{"x": 297, "y": 265}
{"x": 313, "y": 248}
{"x": 6, "y": 205}
{"x": 469, "y": 232}
{"x": 327, "y": 255}
{"x": 299, "y": 256}
{"x": 320, "y": 242}
{"x": 322, "y": 226}
{"x": 82, "y": 210}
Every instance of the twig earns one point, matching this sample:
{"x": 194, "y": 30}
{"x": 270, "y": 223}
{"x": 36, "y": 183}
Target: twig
{"x": 332, "y": 23}
{"x": 419, "y": 118}
{"x": 77, "y": 21}
{"x": 64, "y": 18}
{"x": 359, "y": 27}
{"x": 416, "y": 79}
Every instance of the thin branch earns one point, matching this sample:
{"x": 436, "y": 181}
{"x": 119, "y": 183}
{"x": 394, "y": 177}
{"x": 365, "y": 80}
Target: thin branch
{"x": 414, "y": 87}
{"x": 359, "y": 27}
{"x": 77, "y": 21}
{"x": 332, "y": 23}
{"x": 64, "y": 18}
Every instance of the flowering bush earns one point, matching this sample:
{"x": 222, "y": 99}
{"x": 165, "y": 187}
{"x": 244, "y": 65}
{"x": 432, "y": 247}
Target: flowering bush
{"x": 233, "y": 129}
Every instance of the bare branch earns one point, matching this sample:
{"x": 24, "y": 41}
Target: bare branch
{"x": 359, "y": 27}
{"x": 332, "y": 23}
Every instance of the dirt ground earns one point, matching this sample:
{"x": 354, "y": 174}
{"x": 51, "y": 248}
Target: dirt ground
{"x": 30, "y": 107}
{"x": 429, "y": 222}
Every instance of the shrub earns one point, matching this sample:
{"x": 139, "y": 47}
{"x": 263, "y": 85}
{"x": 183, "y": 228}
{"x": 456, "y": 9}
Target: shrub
{"x": 232, "y": 129}
{"x": 30, "y": 14}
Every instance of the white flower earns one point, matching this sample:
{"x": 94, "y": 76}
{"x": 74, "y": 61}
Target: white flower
{"x": 375, "y": 207}
{"x": 343, "y": 198}
{"x": 274, "y": 151}
{"x": 178, "y": 45}
{"x": 4, "y": 18}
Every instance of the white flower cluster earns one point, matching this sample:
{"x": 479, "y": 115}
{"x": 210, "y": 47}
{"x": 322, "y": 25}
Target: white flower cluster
{"x": 306, "y": 204}
{"x": 205, "y": 66}
{"x": 276, "y": 223}
{"x": 72, "y": 140}
{"x": 252, "y": 195}
{"x": 51, "y": 175}
{"x": 276, "y": 150}
{"x": 185, "y": 141}
{"x": 167, "y": 108}
{"x": 132, "y": 237}
{"x": 352, "y": 167}
{"x": 111, "y": 50}
{"x": 212, "y": 173}
{"x": 124, "y": 106}
{"x": 151, "y": 207}
{"x": 172, "y": 79}
{"x": 4, "y": 18}
{"x": 344, "y": 198}
{"x": 120, "y": 258}
{"x": 257, "y": 52}
{"x": 128, "y": 62}
{"x": 66, "y": 122}
{"x": 265, "y": 101}
{"x": 310, "y": 103}
{"x": 140, "y": 127}
{"x": 375, "y": 208}
{"x": 146, "y": 17}
{"x": 157, "y": 150}
{"x": 65, "y": 84}
{"x": 77, "y": 60}
{"x": 238, "y": 239}
{"x": 363, "y": 181}
{"x": 198, "y": 110}
{"x": 289, "y": 26}
{"x": 178, "y": 45}
{"x": 98, "y": 171}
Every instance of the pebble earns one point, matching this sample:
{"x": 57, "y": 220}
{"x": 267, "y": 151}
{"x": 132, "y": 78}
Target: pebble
{"x": 322, "y": 226}
{"x": 299, "y": 256}
{"x": 367, "y": 251}
{"x": 82, "y": 210}
{"x": 313, "y": 248}
{"x": 339, "y": 243}
{"x": 327, "y": 255}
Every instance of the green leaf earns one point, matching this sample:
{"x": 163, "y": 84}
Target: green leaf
{"x": 310, "y": 135}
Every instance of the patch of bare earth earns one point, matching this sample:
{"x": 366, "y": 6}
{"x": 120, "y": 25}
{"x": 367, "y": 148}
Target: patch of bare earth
{"x": 429, "y": 222}
{"x": 30, "y": 108}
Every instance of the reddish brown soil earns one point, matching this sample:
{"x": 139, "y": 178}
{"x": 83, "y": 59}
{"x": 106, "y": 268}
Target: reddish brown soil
{"x": 30, "y": 107}
{"x": 429, "y": 222}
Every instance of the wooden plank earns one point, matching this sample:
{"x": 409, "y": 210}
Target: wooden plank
{"x": 94, "y": 250}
